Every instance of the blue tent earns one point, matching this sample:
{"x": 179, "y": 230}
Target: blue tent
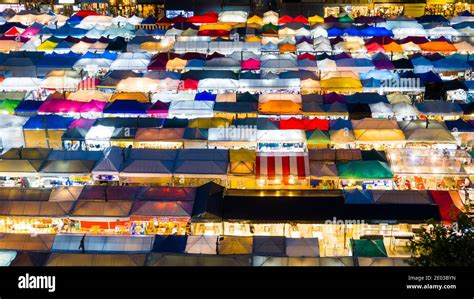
{"x": 379, "y": 75}
{"x": 335, "y": 31}
{"x": 28, "y": 107}
{"x": 149, "y": 21}
{"x": 430, "y": 77}
{"x": 459, "y": 126}
{"x": 366, "y": 98}
{"x": 51, "y": 121}
{"x": 463, "y": 25}
{"x": 195, "y": 64}
{"x": 105, "y": 55}
{"x": 339, "y": 124}
{"x": 432, "y": 19}
{"x": 439, "y": 107}
{"x": 158, "y": 31}
{"x": 75, "y": 19}
{"x": 452, "y": 64}
{"x": 421, "y": 64}
{"x": 356, "y": 196}
{"x": 376, "y": 31}
{"x": 371, "y": 83}
{"x": 171, "y": 243}
{"x": 68, "y": 30}
{"x": 270, "y": 47}
{"x": 126, "y": 107}
{"x": 64, "y": 45}
{"x": 469, "y": 85}
{"x": 205, "y": 96}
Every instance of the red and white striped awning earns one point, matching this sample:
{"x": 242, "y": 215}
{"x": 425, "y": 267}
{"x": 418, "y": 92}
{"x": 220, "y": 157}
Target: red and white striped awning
{"x": 282, "y": 166}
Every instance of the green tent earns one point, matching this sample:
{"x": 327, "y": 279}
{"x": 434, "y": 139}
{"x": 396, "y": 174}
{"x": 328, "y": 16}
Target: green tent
{"x": 317, "y": 137}
{"x": 472, "y": 154}
{"x": 8, "y": 106}
{"x": 270, "y": 28}
{"x": 364, "y": 170}
{"x": 368, "y": 248}
{"x": 346, "y": 19}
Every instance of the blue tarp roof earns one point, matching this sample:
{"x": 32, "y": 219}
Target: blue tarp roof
{"x": 438, "y": 107}
{"x": 339, "y": 124}
{"x": 171, "y": 243}
{"x": 105, "y": 55}
{"x": 58, "y": 61}
{"x": 28, "y": 106}
{"x": 366, "y": 98}
{"x": 452, "y": 64}
{"x": 205, "y": 96}
{"x": 430, "y": 77}
{"x": 459, "y": 126}
{"x": 376, "y": 31}
{"x": 126, "y": 106}
{"x": 51, "y": 121}
{"x": 356, "y": 196}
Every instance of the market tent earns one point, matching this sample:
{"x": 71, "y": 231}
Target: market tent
{"x": 201, "y": 244}
{"x": 285, "y": 166}
{"x": 440, "y": 108}
{"x": 357, "y": 196}
{"x": 196, "y": 260}
{"x": 368, "y": 248}
{"x": 235, "y": 245}
{"x": 364, "y": 170}
{"x": 409, "y": 197}
{"x": 26, "y": 242}
{"x": 103, "y": 244}
{"x": 57, "y": 259}
{"x": 302, "y": 247}
{"x": 341, "y": 85}
{"x": 269, "y": 246}
{"x": 20, "y": 84}
{"x": 449, "y": 204}
{"x": 322, "y": 170}
{"x": 242, "y": 162}
{"x": 11, "y": 131}
{"x": 170, "y": 243}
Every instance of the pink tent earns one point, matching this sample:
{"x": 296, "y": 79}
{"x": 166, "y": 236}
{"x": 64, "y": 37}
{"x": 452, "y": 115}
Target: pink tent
{"x": 159, "y": 109}
{"x": 82, "y": 123}
{"x": 93, "y": 106}
{"x": 250, "y": 64}
{"x": 30, "y": 32}
{"x": 57, "y": 105}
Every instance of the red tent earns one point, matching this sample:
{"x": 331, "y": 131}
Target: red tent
{"x": 316, "y": 123}
{"x": 14, "y": 31}
{"x": 158, "y": 64}
{"x": 214, "y": 33}
{"x": 285, "y": 19}
{"x": 250, "y": 64}
{"x": 292, "y": 123}
{"x": 374, "y": 47}
{"x": 300, "y": 19}
{"x": 210, "y": 17}
{"x": 86, "y": 13}
{"x": 307, "y": 56}
{"x": 188, "y": 84}
{"x": 448, "y": 210}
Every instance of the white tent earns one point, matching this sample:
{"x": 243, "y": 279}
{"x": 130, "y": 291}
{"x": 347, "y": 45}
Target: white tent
{"x": 264, "y": 136}
{"x": 191, "y": 46}
{"x": 326, "y": 65}
{"x": 138, "y": 84}
{"x": 11, "y": 131}
{"x": 302, "y": 247}
{"x": 404, "y": 111}
{"x": 218, "y": 84}
{"x": 258, "y": 85}
{"x": 171, "y": 97}
{"x": 92, "y": 64}
{"x": 131, "y": 61}
{"x": 442, "y": 31}
{"x": 403, "y": 32}
{"x": 270, "y": 17}
{"x": 20, "y": 84}
{"x": 191, "y": 109}
{"x": 233, "y": 16}
{"x": 201, "y": 245}
{"x": 381, "y": 110}
{"x": 98, "y": 21}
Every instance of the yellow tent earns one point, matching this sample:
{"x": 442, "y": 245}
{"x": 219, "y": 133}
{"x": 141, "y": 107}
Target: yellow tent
{"x": 309, "y": 86}
{"x": 315, "y": 19}
{"x": 242, "y": 161}
{"x": 216, "y": 26}
{"x": 279, "y": 107}
{"x": 156, "y": 46}
{"x": 341, "y": 137}
{"x": 176, "y": 64}
{"x": 395, "y": 98}
{"x": 47, "y": 46}
{"x": 87, "y": 95}
{"x": 255, "y": 20}
{"x": 341, "y": 84}
{"x": 209, "y": 122}
{"x": 138, "y": 96}
{"x": 381, "y": 135}
{"x": 253, "y": 39}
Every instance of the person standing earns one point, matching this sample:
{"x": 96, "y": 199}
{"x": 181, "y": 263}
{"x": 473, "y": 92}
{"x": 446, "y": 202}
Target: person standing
{"x": 82, "y": 244}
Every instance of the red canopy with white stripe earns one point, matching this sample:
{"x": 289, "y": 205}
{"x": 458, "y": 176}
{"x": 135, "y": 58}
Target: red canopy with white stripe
{"x": 273, "y": 166}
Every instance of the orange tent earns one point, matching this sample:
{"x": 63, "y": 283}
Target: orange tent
{"x": 393, "y": 47}
{"x": 138, "y": 96}
{"x": 440, "y": 46}
{"x": 287, "y": 47}
{"x": 280, "y": 107}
